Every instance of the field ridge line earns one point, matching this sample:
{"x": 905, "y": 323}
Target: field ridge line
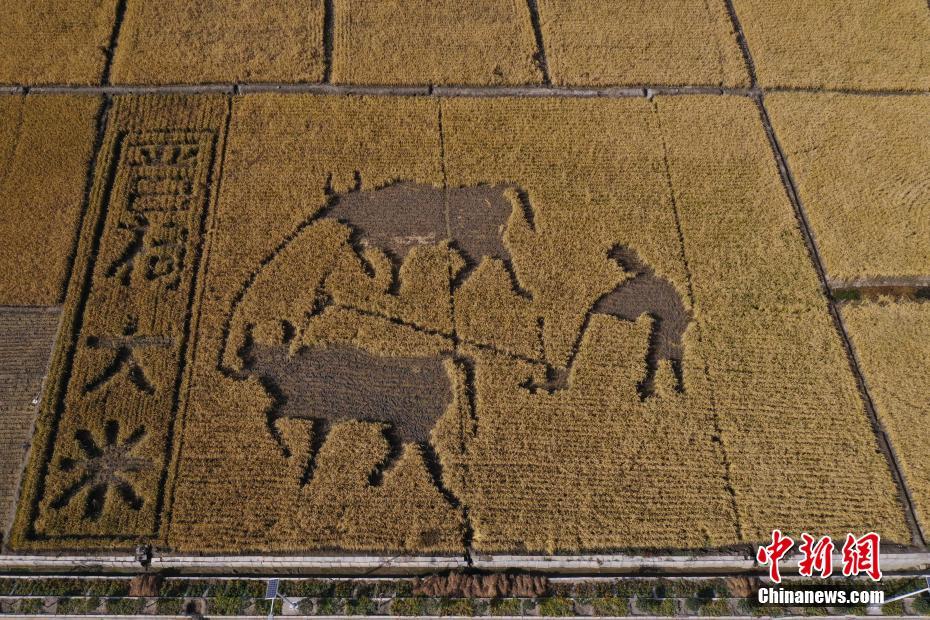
{"x": 540, "y": 55}
{"x": 101, "y": 121}
{"x": 449, "y": 90}
{"x": 329, "y": 21}
{"x": 110, "y": 51}
{"x": 558, "y": 566}
{"x": 742, "y": 42}
{"x": 790, "y": 186}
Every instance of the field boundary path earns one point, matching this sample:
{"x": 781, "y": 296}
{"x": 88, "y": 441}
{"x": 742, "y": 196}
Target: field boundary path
{"x": 358, "y": 565}
{"x": 542, "y": 90}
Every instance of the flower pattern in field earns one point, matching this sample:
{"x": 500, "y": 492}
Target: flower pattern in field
{"x": 103, "y": 469}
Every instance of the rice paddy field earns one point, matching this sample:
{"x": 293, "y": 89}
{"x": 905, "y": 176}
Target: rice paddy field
{"x": 443, "y": 278}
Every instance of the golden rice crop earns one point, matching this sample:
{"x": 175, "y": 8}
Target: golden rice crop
{"x": 51, "y": 42}
{"x": 890, "y": 342}
{"x": 203, "y": 41}
{"x": 434, "y": 42}
{"x": 764, "y": 365}
{"x": 861, "y": 168}
{"x": 622, "y": 42}
{"x": 869, "y": 44}
{"x": 589, "y": 467}
{"x": 774, "y": 357}
{"x": 337, "y": 508}
{"x": 45, "y": 147}
{"x": 555, "y": 423}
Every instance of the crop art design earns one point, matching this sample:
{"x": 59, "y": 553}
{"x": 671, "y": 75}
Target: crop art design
{"x": 130, "y": 357}
{"x": 109, "y": 425}
{"x": 421, "y": 325}
{"x": 310, "y": 373}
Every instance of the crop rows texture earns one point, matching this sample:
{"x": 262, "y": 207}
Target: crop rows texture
{"x": 641, "y": 42}
{"x": 434, "y": 42}
{"x": 281, "y": 151}
{"x": 781, "y": 380}
{"x": 766, "y": 356}
{"x": 53, "y": 42}
{"x": 45, "y": 145}
{"x": 689, "y": 184}
{"x": 890, "y": 341}
{"x": 861, "y": 165}
{"x": 868, "y": 44}
{"x": 27, "y": 336}
{"x": 203, "y": 41}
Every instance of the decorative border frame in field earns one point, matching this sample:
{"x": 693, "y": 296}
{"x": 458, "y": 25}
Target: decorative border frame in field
{"x": 138, "y": 263}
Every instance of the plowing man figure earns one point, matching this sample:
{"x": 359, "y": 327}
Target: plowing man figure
{"x": 643, "y": 292}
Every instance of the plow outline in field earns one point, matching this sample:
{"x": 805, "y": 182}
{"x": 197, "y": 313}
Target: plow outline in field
{"x": 644, "y": 292}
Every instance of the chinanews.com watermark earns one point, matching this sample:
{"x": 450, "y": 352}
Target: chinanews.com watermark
{"x": 780, "y": 596}
{"x": 858, "y": 556}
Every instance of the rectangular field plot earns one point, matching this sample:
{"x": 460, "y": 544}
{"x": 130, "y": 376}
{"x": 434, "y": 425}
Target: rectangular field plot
{"x": 862, "y": 165}
{"x": 54, "y": 42}
{"x": 434, "y": 42}
{"x": 45, "y": 147}
{"x": 763, "y": 365}
{"x": 629, "y": 43}
{"x": 27, "y": 336}
{"x": 205, "y": 41}
{"x": 890, "y": 341}
{"x": 415, "y": 324}
{"x": 867, "y": 44}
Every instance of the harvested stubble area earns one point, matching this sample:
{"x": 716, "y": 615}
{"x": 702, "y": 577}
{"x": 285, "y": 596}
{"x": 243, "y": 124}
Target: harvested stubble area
{"x": 27, "y": 336}
{"x": 891, "y": 344}
{"x": 413, "y": 324}
{"x": 862, "y": 165}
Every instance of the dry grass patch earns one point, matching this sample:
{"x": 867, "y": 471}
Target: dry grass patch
{"x": 203, "y": 41}
{"x": 45, "y": 146}
{"x": 891, "y": 344}
{"x": 868, "y": 44}
{"x": 861, "y": 164}
{"x": 434, "y": 42}
{"x": 641, "y": 42}
{"x": 54, "y": 42}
